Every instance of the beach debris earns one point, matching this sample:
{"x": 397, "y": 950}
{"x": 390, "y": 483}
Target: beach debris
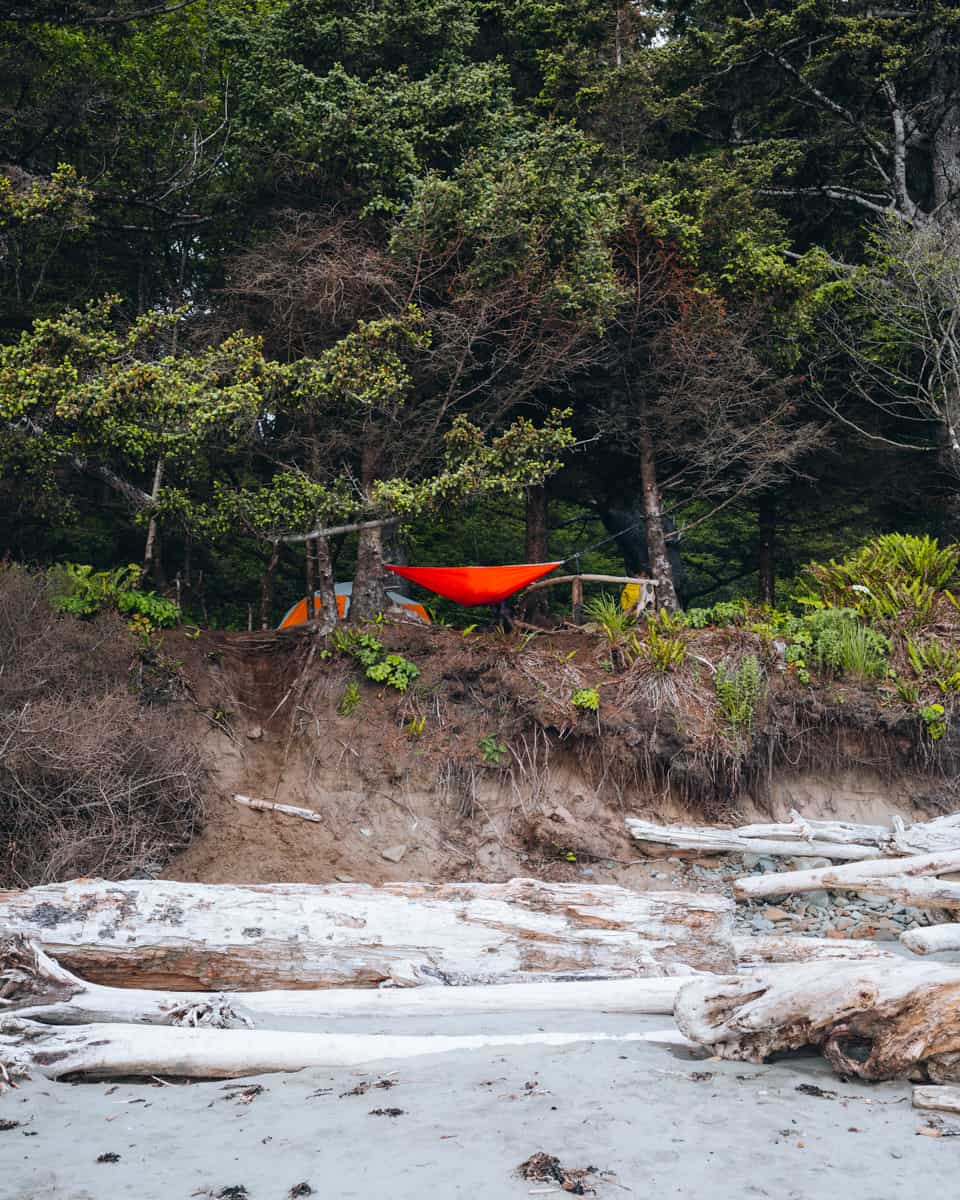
{"x": 235, "y": 1192}
{"x": 109, "y": 1157}
{"x": 244, "y": 1093}
{"x": 545, "y": 1168}
{"x": 7, "y": 1124}
{"x": 365, "y": 1085}
{"x": 285, "y": 810}
{"x": 871, "y": 1020}
{"x": 300, "y": 1189}
{"x": 385, "y": 1112}
{"x": 811, "y": 1089}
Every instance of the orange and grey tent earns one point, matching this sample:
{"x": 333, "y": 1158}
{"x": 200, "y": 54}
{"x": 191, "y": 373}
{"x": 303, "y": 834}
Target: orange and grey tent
{"x": 475, "y": 585}
{"x": 297, "y": 615}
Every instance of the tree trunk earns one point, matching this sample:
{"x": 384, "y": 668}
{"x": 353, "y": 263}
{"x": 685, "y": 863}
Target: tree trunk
{"x": 369, "y": 586}
{"x": 133, "y": 1050}
{"x": 266, "y": 587}
{"x": 38, "y": 989}
{"x": 872, "y": 1020}
{"x": 766, "y": 569}
{"x": 327, "y": 612}
{"x": 308, "y": 579}
{"x": 150, "y": 548}
{"x": 535, "y": 545}
{"x": 660, "y": 564}
{"x": 846, "y": 876}
{"x": 158, "y": 933}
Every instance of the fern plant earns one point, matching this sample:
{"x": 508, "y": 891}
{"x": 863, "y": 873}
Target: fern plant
{"x": 606, "y": 616}
{"x": 739, "y": 690}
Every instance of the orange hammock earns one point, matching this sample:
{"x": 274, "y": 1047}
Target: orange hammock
{"x": 475, "y": 585}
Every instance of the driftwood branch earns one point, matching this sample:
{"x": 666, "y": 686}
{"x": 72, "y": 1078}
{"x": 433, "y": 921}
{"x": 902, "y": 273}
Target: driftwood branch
{"x": 841, "y": 877}
{"x": 932, "y": 939}
{"x": 287, "y": 810}
{"x": 939, "y": 1099}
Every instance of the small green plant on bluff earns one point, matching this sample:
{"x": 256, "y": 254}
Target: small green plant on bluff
{"x": 395, "y": 671}
{"x": 739, "y": 691}
{"x": 605, "y": 616}
{"x": 934, "y": 721}
{"x": 492, "y": 750}
{"x": 76, "y": 588}
{"x": 663, "y": 648}
{"x": 937, "y": 662}
{"x": 586, "y": 699}
{"x": 392, "y": 669}
{"x": 350, "y": 700}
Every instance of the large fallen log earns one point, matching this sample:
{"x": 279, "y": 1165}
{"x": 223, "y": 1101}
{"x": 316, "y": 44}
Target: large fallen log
{"x": 713, "y": 840}
{"x": 872, "y": 1020}
{"x": 932, "y": 939}
{"x": 35, "y": 987}
{"x": 918, "y": 893}
{"x": 943, "y": 833}
{"x": 27, "y": 1047}
{"x": 842, "y": 877}
{"x": 190, "y": 937}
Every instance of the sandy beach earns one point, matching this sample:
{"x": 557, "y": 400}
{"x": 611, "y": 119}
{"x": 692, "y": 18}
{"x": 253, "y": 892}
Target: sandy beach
{"x": 652, "y": 1120}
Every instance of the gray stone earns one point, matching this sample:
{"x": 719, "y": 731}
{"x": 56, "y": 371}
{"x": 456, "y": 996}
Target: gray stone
{"x": 819, "y": 899}
{"x": 761, "y": 924}
{"x": 393, "y": 853}
{"x": 808, "y": 864}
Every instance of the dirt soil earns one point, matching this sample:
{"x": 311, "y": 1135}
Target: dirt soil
{"x": 406, "y": 789}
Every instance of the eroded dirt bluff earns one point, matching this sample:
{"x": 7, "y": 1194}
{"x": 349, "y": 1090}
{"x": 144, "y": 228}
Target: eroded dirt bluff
{"x": 484, "y": 770}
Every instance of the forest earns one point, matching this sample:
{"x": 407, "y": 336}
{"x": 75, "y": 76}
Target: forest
{"x": 672, "y": 287}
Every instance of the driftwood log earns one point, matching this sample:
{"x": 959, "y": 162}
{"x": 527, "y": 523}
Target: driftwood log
{"x": 772, "y": 949}
{"x": 35, "y": 987}
{"x": 839, "y": 840}
{"x": 27, "y": 1047}
{"x": 932, "y": 939}
{"x": 872, "y": 1020}
{"x": 940, "y": 1099}
{"x": 777, "y": 840}
{"x": 285, "y": 810}
{"x": 846, "y": 876}
{"x": 205, "y": 937}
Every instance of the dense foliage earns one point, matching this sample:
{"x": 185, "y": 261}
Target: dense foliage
{"x": 674, "y": 287}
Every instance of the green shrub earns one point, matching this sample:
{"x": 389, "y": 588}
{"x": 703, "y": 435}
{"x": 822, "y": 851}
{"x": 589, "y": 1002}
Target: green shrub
{"x": 841, "y": 644}
{"x": 934, "y": 721}
{"x": 935, "y": 660}
{"x": 664, "y": 648}
{"x": 739, "y": 691}
{"x": 76, "y": 588}
{"x": 350, "y": 700}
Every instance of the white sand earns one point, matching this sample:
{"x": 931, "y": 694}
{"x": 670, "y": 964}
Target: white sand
{"x": 469, "y": 1119}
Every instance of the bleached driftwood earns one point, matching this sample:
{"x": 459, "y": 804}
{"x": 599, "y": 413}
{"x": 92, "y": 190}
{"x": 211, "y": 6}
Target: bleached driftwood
{"x": 287, "y": 810}
{"x": 925, "y": 837}
{"x": 932, "y": 938}
{"x": 840, "y": 877}
{"x": 940, "y": 1099}
{"x": 713, "y": 840}
{"x": 839, "y": 840}
{"x": 918, "y": 893}
{"x": 773, "y": 949}
{"x": 27, "y": 1047}
{"x": 872, "y": 1020}
{"x": 33, "y": 986}
{"x": 189, "y": 937}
